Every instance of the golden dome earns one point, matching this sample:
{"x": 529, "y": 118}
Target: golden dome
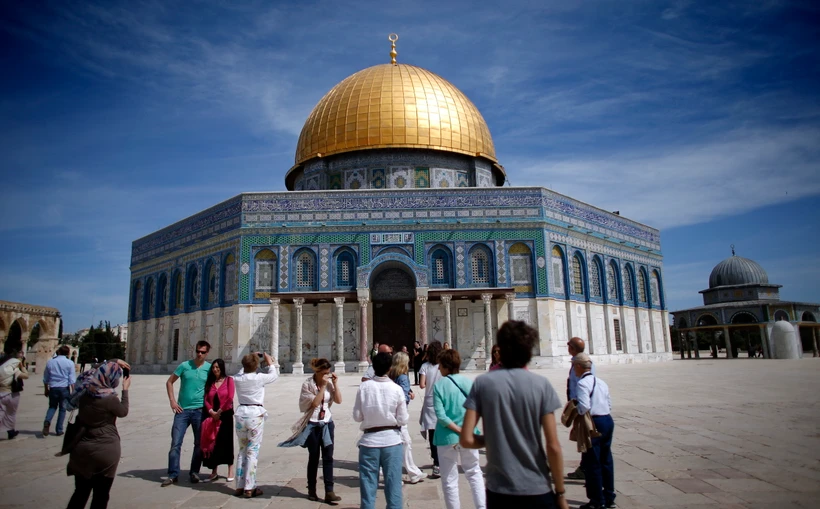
{"x": 391, "y": 106}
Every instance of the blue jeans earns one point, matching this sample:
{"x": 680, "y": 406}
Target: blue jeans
{"x": 57, "y": 397}
{"x": 599, "y": 470}
{"x": 191, "y": 417}
{"x": 390, "y": 460}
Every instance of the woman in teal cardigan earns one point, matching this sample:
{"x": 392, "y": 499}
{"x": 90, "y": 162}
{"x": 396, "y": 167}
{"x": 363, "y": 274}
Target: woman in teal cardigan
{"x": 449, "y": 394}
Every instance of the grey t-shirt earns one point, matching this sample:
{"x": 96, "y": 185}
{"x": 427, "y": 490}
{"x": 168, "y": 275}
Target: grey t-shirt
{"x": 511, "y": 402}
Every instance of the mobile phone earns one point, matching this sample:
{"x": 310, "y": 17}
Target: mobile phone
{"x": 126, "y": 372}
{"x": 261, "y": 355}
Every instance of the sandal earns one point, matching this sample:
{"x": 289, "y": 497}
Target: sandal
{"x": 250, "y": 494}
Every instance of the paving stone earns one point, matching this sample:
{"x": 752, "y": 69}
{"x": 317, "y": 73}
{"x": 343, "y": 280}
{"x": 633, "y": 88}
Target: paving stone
{"x": 706, "y": 442}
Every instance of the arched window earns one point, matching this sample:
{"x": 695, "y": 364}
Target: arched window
{"x": 521, "y": 268}
{"x": 345, "y": 269}
{"x": 612, "y": 282}
{"x": 211, "y": 281}
{"x": 595, "y": 279}
{"x": 557, "y": 270}
{"x": 440, "y": 266}
{"x": 305, "y": 270}
{"x": 265, "y": 265}
{"x": 780, "y": 315}
{"x": 136, "y": 302}
{"x": 480, "y": 271}
{"x": 179, "y": 293}
{"x": 229, "y": 288}
{"x": 626, "y": 277}
{"x": 655, "y": 281}
{"x": 577, "y": 276}
{"x": 163, "y": 294}
{"x": 193, "y": 287}
{"x": 150, "y": 299}
{"x": 642, "y": 297}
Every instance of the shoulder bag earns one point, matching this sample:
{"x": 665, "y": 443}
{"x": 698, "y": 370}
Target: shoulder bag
{"x": 74, "y": 432}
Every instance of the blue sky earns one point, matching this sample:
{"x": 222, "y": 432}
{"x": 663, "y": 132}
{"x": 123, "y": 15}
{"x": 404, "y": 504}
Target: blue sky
{"x": 120, "y": 118}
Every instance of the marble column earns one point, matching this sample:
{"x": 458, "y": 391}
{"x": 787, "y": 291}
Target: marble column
{"x": 510, "y": 309}
{"x": 340, "y": 339}
{"x": 363, "y": 303}
{"x": 488, "y": 328}
{"x": 448, "y": 326}
{"x": 728, "y": 340}
{"x": 764, "y": 341}
{"x": 274, "y": 331}
{"x": 421, "y": 301}
{"x": 298, "y": 366}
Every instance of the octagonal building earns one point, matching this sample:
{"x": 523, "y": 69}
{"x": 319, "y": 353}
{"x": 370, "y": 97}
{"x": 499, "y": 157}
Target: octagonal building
{"x": 396, "y": 227}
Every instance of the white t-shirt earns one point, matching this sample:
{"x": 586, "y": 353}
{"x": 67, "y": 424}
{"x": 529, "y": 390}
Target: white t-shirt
{"x": 428, "y": 412}
{"x": 325, "y": 405}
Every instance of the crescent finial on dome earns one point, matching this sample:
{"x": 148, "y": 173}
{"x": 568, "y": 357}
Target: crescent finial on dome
{"x": 393, "y": 38}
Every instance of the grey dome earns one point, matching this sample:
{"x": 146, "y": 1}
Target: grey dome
{"x": 737, "y": 270}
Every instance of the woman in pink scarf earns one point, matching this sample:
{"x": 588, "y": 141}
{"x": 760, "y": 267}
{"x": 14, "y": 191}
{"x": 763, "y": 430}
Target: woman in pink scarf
{"x": 217, "y": 423}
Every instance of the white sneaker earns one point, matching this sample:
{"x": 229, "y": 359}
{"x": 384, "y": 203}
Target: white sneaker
{"x": 415, "y": 479}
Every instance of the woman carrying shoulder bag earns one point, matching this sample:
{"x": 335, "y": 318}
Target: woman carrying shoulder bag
{"x": 94, "y": 459}
{"x": 12, "y": 373}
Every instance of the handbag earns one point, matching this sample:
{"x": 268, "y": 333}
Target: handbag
{"x": 16, "y": 384}
{"x": 74, "y": 432}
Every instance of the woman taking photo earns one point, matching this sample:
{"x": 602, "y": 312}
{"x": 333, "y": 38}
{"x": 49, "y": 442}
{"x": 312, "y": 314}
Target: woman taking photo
{"x": 428, "y": 375}
{"x": 217, "y": 421}
{"x": 450, "y": 393}
{"x": 399, "y": 374}
{"x": 250, "y": 419}
{"x": 94, "y": 458}
{"x": 12, "y": 370}
{"x": 316, "y": 430}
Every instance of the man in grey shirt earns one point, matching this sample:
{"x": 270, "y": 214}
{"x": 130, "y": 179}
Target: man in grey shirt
{"x": 516, "y": 406}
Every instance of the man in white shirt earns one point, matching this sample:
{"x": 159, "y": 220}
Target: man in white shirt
{"x": 381, "y": 409}
{"x": 593, "y": 397}
{"x": 575, "y": 346}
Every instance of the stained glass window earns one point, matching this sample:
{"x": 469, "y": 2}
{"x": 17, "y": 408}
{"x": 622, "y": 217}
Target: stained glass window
{"x": 229, "y": 292}
{"x": 577, "y": 276}
{"x": 441, "y": 267}
{"x": 595, "y": 279}
{"x": 612, "y": 282}
{"x": 305, "y": 270}
{"x": 480, "y": 264}
{"x": 656, "y": 289}
{"x": 627, "y": 282}
{"x": 344, "y": 269}
{"x": 641, "y": 286}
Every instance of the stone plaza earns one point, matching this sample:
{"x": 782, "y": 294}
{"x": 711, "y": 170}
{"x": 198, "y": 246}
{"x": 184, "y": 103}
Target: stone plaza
{"x": 711, "y": 434}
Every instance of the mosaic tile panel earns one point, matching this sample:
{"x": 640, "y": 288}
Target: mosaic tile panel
{"x": 334, "y": 180}
{"x": 285, "y": 241}
{"x": 461, "y": 274}
{"x": 378, "y": 179}
{"x": 500, "y": 267}
{"x": 401, "y": 178}
{"x": 324, "y": 266}
{"x": 355, "y": 179}
{"x": 462, "y": 179}
{"x": 443, "y": 178}
{"x": 422, "y": 177}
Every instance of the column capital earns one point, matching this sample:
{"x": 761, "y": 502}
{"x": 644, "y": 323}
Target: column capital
{"x": 340, "y": 301}
{"x": 298, "y": 301}
{"x": 509, "y": 296}
{"x": 364, "y": 301}
{"x": 487, "y": 297}
{"x": 421, "y": 299}
{"x": 275, "y": 302}
{"x": 445, "y": 299}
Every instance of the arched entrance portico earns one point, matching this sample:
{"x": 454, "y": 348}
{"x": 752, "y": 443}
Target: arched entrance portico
{"x": 393, "y": 294}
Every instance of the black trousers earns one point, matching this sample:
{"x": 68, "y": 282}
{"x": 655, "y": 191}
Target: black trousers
{"x": 99, "y": 484}
{"x": 314, "y": 446}
{"x": 433, "y": 449}
{"x": 501, "y": 501}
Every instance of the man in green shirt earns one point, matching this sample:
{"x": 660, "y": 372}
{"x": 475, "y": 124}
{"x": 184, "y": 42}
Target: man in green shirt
{"x": 187, "y": 410}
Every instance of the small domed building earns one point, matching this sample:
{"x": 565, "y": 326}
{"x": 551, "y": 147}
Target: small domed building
{"x": 396, "y": 227}
{"x": 742, "y": 310}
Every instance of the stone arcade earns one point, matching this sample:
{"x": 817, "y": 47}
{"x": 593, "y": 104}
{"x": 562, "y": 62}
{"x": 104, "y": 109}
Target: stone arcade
{"x": 395, "y": 227}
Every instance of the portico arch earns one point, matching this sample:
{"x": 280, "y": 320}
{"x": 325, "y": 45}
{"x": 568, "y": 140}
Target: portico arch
{"x": 393, "y": 293}
{"x": 20, "y": 319}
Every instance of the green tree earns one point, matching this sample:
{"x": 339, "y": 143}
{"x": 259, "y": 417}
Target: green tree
{"x": 100, "y": 343}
